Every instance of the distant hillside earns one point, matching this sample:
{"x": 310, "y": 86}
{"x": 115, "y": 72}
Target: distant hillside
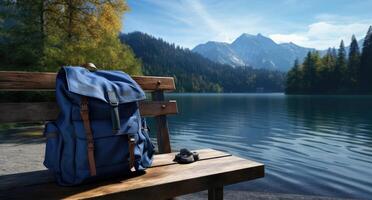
{"x": 253, "y": 50}
{"x": 194, "y": 73}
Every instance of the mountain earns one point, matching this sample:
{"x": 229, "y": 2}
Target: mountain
{"x": 253, "y": 50}
{"x": 220, "y": 52}
{"x": 295, "y": 50}
{"x": 195, "y": 73}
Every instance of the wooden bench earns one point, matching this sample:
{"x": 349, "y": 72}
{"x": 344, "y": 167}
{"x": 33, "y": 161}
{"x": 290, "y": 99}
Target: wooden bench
{"x": 164, "y": 180}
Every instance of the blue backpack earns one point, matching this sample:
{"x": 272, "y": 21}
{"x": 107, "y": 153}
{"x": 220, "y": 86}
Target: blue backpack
{"x": 99, "y": 132}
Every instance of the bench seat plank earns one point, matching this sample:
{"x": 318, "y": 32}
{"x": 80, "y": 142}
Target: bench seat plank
{"x": 164, "y": 181}
{"x": 204, "y": 154}
{"x": 43, "y": 176}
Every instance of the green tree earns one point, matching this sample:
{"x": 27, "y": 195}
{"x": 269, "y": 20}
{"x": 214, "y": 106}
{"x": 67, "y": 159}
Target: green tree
{"x": 48, "y": 34}
{"x": 22, "y": 32}
{"x": 339, "y": 73}
{"x": 334, "y": 73}
{"x": 325, "y": 71}
{"x": 318, "y": 65}
{"x": 353, "y": 66}
{"x": 294, "y": 79}
{"x": 89, "y": 33}
{"x": 366, "y": 63}
{"x": 334, "y": 52}
{"x": 309, "y": 73}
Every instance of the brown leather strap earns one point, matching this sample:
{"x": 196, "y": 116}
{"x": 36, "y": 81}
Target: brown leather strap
{"x": 84, "y": 112}
{"x": 131, "y": 144}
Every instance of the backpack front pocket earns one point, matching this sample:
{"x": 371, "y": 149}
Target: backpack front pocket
{"x": 111, "y": 151}
{"x": 51, "y": 159}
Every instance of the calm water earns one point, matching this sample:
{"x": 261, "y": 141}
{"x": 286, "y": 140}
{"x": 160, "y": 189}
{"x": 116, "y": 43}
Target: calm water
{"x": 319, "y": 145}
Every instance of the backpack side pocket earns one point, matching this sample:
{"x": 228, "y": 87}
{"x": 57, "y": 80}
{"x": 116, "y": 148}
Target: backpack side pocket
{"x": 51, "y": 159}
{"x": 149, "y": 147}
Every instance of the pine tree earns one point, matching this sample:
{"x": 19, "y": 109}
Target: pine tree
{"x": 334, "y": 52}
{"x": 329, "y": 59}
{"x": 334, "y": 73}
{"x": 309, "y": 73}
{"x": 353, "y": 64}
{"x": 293, "y": 81}
{"x": 340, "y": 68}
{"x": 366, "y": 63}
{"x": 325, "y": 72}
{"x": 318, "y": 65}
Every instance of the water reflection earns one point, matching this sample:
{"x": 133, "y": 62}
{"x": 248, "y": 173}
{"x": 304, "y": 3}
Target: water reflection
{"x": 310, "y": 144}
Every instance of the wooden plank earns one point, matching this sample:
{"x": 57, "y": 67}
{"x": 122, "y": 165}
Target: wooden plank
{"x": 46, "y": 111}
{"x": 44, "y": 176}
{"x": 162, "y": 126}
{"x": 153, "y": 83}
{"x": 163, "y": 182}
{"x": 36, "y": 81}
{"x": 204, "y": 154}
{"x": 174, "y": 180}
{"x": 156, "y": 108}
{"x": 19, "y": 180}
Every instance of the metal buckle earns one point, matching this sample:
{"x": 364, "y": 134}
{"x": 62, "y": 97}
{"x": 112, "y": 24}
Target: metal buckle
{"x": 84, "y": 107}
{"x": 114, "y": 104}
{"x": 131, "y": 139}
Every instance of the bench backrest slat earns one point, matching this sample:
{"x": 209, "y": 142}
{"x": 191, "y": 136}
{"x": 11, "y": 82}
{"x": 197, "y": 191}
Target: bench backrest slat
{"x": 44, "y": 81}
{"x": 46, "y": 111}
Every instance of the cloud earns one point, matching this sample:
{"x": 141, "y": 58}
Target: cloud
{"x": 214, "y": 23}
{"x": 333, "y": 18}
{"x": 217, "y": 28}
{"x": 191, "y": 22}
{"x": 322, "y": 34}
{"x": 295, "y": 38}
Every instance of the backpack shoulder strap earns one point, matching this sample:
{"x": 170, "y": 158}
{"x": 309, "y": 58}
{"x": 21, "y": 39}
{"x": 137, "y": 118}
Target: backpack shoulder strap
{"x": 84, "y": 112}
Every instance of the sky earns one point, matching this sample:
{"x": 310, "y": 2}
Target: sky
{"x": 310, "y": 23}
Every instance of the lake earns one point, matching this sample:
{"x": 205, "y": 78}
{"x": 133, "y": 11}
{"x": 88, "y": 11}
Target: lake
{"x": 317, "y": 145}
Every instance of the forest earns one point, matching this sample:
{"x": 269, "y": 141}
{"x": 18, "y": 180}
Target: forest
{"x": 337, "y": 72}
{"x": 43, "y": 35}
{"x": 194, "y": 73}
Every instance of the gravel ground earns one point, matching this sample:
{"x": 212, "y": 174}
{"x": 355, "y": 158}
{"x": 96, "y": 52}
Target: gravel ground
{"x": 22, "y": 150}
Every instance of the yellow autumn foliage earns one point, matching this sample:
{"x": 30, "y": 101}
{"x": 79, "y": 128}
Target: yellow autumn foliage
{"x": 81, "y": 31}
